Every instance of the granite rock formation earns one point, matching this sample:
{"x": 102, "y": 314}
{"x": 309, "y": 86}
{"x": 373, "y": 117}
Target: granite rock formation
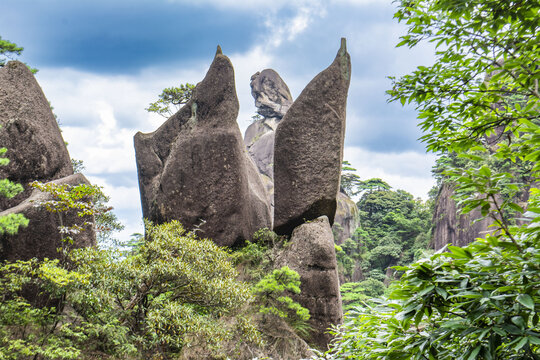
{"x": 272, "y": 95}
{"x": 272, "y": 99}
{"x": 451, "y": 228}
{"x": 194, "y": 168}
{"x": 26, "y": 119}
{"x": 346, "y": 220}
{"x": 309, "y": 148}
{"x": 311, "y": 253}
{"x": 41, "y": 238}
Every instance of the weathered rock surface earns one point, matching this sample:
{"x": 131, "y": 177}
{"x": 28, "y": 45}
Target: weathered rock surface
{"x": 347, "y": 218}
{"x": 309, "y": 148}
{"x": 312, "y": 254}
{"x": 272, "y": 95}
{"x": 451, "y": 228}
{"x": 194, "y": 168}
{"x": 41, "y": 238}
{"x": 29, "y": 131}
{"x": 262, "y": 153}
{"x": 272, "y": 99}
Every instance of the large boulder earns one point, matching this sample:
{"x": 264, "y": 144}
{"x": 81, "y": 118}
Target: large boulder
{"x": 346, "y": 220}
{"x": 309, "y": 148}
{"x": 311, "y": 253}
{"x": 42, "y": 237}
{"x": 271, "y": 94}
{"x": 452, "y": 228}
{"x": 272, "y": 99}
{"x": 195, "y": 169}
{"x": 29, "y": 131}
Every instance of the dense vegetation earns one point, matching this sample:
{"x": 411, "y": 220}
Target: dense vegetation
{"x": 175, "y": 293}
{"x": 394, "y": 230}
{"x": 480, "y": 301}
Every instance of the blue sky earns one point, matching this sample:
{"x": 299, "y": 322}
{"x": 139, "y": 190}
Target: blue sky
{"x": 101, "y": 63}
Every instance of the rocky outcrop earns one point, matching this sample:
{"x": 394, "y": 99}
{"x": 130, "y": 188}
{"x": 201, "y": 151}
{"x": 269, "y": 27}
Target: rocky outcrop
{"x": 272, "y": 99}
{"x": 346, "y": 220}
{"x": 194, "y": 167}
{"x": 451, "y": 228}
{"x": 30, "y": 133}
{"x": 311, "y": 253}
{"x": 41, "y": 238}
{"x": 272, "y": 95}
{"x": 309, "y": 148}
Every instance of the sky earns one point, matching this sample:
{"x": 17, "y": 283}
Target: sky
{"x": 101, "y": 63}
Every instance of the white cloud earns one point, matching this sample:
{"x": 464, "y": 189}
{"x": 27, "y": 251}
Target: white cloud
{"x": 409, "y": 171}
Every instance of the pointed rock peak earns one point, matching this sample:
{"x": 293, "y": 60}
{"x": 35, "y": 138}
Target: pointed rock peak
{"x": 218, "y": 51}
{"x": 343, "y": 58}
{"x": 343, "y": 48}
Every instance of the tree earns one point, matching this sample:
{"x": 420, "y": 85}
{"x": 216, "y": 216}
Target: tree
{"x": 8, "y": 50}
{"x": 176, "y": 290}
{"x": 10, "y": 223}
{"x": 480, "y": 95}
{"x": 350, "y": 182}
{"x": 173, "y": 97}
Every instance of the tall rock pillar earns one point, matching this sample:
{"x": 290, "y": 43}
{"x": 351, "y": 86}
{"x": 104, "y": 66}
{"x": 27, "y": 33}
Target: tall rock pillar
{"x": 309, "y": 148}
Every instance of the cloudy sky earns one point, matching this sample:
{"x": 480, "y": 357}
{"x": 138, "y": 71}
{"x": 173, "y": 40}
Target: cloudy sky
{"x": 101, "y": 63}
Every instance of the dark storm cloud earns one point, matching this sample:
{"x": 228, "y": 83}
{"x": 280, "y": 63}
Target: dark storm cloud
{"x": 121, "y": 36}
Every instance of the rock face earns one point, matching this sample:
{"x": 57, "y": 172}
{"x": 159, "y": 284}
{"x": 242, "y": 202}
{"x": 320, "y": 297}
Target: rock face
{"x": 312, "y": 254}
{"x": 41, "y": 238}
{"x": 272, "y": 99}
{"x": 272, "y": 95}
{"x": 346, "y": 220}
{"x": 452, "y": 228}
{"x": 309, "y": 148}
{"x": 194, "y": 168}
{"x": 27, "y": 119}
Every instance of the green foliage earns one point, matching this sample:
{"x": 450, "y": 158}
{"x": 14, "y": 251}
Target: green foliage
{"x": 457, "y": 106}
{"x": 350, "y": 181}
{"x": 87, "y": 201}
{"x": 271, "y": 295}
{"x": 9, "y": 224}
{"x": 480, "y": 301}
{"x": 177, "y": 291}
{"x": 354, "y": 294}
{"x": 171, "y": 97}
{"x": 477, "y": 302}
{"x": 8, "y": 50}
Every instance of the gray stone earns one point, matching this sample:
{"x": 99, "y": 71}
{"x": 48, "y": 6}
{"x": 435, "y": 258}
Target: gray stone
{"x": 346, "y": 220}
{"x": 452, "y": 228}
{"x": 309, "y": 148}
{"x": 29, "y": 131}
{"x": 262, "y": 153}
{"x": 195, "y": 169}
{"x": 272, "y": 95}
{"x": 41, "y": 238}
{"x": 311, "y": 253}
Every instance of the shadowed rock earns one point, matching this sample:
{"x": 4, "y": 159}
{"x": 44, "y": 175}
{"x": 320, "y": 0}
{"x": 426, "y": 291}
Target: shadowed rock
{"x": 346, "y": 220}
{"x": 194, "y": 168}
{"x": 29, "y": 131}
{"x": 309, "y": 148}
{"x": 452, "y": 228}
{"x": 311, "y": 253}
{"x": 41, "y": 238}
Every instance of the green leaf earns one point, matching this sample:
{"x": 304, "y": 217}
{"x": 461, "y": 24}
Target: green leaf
{"x": 526, "y": 300}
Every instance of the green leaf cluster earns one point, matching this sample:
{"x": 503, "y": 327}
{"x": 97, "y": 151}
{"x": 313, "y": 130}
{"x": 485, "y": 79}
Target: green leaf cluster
{"x": 171, "y": 99}
{"x": 176, "y": 292}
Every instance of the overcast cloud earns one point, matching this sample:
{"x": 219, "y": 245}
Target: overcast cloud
{"x": 102, "y": 62}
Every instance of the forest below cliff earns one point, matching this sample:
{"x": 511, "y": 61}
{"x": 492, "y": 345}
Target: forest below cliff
{"x": 170, "y": 294}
